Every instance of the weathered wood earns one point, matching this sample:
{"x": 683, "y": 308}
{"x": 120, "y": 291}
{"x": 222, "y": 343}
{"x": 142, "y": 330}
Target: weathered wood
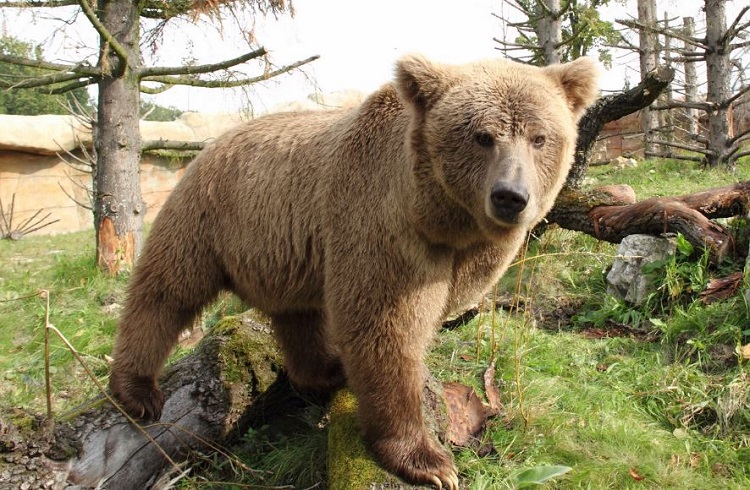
{"x": 607, "y": 217}
{"x": 212, "y": 396}
{"x": 612, "y": 108}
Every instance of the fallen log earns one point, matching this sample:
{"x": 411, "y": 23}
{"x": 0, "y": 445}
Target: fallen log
{"x": 212, "y": 397}
{"x": 611, "y": 213}
{"x": 231, "y": 382}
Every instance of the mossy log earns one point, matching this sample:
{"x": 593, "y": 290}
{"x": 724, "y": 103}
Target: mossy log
{"x": 231, "y": 382}
{"x": 213, "y": 395}
{"x": 611, "y": 214}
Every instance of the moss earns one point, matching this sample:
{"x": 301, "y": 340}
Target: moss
{"x": 350, "y": 465}
{"x": 248, "y": 356}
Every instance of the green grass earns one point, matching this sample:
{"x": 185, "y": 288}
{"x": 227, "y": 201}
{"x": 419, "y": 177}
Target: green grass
{"x": 613, "y": 392}
{"x": 80, "y": 307}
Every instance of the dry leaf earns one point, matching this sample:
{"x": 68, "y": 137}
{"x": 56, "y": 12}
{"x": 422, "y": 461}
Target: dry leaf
{"x": 492, "y": 391}
{"x": 635, "y": 475}
{"x": 467, "y": 414}
{"x": 745, "y": 351}
{"x": 721, "y": 288}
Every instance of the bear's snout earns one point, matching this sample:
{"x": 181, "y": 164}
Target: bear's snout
{"x": 508, "y": 200}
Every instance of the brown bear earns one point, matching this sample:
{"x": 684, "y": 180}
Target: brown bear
{"x": 357, "y": 231}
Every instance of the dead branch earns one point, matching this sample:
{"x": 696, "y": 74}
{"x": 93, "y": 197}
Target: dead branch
{"x": 608, "y": 217}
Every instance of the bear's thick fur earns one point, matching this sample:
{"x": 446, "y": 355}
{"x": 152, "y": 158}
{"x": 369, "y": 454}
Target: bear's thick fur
{"x": 358, "y": 231}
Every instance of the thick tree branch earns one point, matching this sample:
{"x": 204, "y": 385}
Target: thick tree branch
{"x": 172, "y": 145}
{"x": 609, "y": 217}
{"x": 198, "y": 69}
{"x": 43, "y": 81}
{"x": 107, "y": 36}
{"x": 639, "y": 26}
{"x": 610, "y": 108}
{"x": 84, "y": 69}
{"x": 199, "y": 82}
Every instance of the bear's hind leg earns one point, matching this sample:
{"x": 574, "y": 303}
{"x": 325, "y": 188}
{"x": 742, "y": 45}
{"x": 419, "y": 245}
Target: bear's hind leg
{"x": 310, "y": 358}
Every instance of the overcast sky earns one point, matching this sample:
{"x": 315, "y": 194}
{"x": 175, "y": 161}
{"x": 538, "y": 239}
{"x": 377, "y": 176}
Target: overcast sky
{"x": 358, "y": 43}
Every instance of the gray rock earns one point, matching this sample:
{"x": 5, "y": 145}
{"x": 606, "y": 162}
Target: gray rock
{"x": 626, "y": 279}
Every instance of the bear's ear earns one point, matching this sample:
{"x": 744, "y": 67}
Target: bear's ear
{"x": 422, "y": 82}
{"x": 580, "y": 82}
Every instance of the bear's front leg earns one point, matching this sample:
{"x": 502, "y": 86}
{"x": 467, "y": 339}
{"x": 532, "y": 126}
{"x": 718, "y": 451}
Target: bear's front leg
{"x": 382, "y": 352}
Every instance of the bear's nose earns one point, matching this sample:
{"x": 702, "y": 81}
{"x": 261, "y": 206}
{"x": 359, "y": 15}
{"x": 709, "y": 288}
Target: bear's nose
{"x": 508, "y": 200}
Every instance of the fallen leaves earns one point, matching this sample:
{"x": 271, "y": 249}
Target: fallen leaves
{"x": 468, "y": 414}
{"x": 722, "y": 288}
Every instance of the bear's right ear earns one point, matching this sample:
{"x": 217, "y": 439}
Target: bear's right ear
{"x": 422, "y": 82}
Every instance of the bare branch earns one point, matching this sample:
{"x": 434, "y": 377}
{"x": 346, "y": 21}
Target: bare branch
{"x": 199, "y": 82}
{"x": 68, "y": 87}
{"x": 681, "y": 146}
{"x": 736, "y": 28}
{"x": 38, "y": 3}
{"x": 726, "y": 103}
{"x": 741, "y": 45}
{"x": 172, "y": 145}
{"x": 634, "y": 24}
{"x": 739, "y": 138}
{"x": 197, "y": 69}
{"x": 107, "y": 36}
{"x": 155, "y": 90}
{"x": 684, "y": 104}
{"x": 43, "y": 81}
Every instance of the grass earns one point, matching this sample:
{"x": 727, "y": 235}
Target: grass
{"x": 626, "y": 397}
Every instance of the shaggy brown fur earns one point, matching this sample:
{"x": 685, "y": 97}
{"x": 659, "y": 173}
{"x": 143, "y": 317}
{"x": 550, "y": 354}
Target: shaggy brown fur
{"x": 357, "y": 232}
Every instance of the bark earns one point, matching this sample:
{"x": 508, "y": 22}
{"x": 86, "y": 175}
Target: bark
{"x": 550, "y": 32}
{"x": 718, "y": 74}
{"x": 611, "y": 108}
{"x": 648, "y": 59}
{"x": 608, "y": 216}
{"x": 118, "y": 205}
{"x": 213, "y": 396}
{"x": 691, "y": 77}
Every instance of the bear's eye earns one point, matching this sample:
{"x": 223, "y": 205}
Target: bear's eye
{"x": 539, "y": 141}
{"x": 484, "y": 139}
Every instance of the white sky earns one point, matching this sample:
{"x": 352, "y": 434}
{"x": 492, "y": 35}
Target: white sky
{"x": 358, "y": 43}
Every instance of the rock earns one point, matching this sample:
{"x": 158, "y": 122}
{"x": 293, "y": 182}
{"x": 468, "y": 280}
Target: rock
{"x": 626, "y": 279}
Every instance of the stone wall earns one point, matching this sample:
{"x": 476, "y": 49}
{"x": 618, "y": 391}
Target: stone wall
{"x": 46, "y": 182}
{"x": 33, "y": 168}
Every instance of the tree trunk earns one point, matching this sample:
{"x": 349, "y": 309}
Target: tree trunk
{"x": 718, "y": 76}
{"x": 550, "y": 32}
{"x": 606, "y": 215}
{"x": 118, "y": 206}
{"x": 648, "y": 58}
{"x": 691, "y": 77}
{"x": 611, "y": 108}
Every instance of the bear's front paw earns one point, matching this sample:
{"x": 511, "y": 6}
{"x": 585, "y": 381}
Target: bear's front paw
{"x": 418, "y": 460}
{"x": 139, "y": 395}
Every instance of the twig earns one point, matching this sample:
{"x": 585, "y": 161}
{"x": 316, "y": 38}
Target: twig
{"x": 47, "y": 379}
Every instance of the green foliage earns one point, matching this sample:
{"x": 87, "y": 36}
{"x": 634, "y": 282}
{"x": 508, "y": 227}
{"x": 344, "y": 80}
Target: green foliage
{"x": 538, "y": 475}
{"x": 582, "y": 27}
{"x": 31, "y": 102}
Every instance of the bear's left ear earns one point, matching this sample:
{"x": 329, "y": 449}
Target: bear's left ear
{"x": 580, "y": 82}
{"x": 422, "y": 82}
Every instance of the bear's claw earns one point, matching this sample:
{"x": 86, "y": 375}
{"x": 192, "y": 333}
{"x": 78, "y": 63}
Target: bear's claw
{"x": 139, "y": 396}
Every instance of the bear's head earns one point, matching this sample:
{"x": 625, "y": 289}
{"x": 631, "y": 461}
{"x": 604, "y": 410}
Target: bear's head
{"x": 497, "y": 136}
